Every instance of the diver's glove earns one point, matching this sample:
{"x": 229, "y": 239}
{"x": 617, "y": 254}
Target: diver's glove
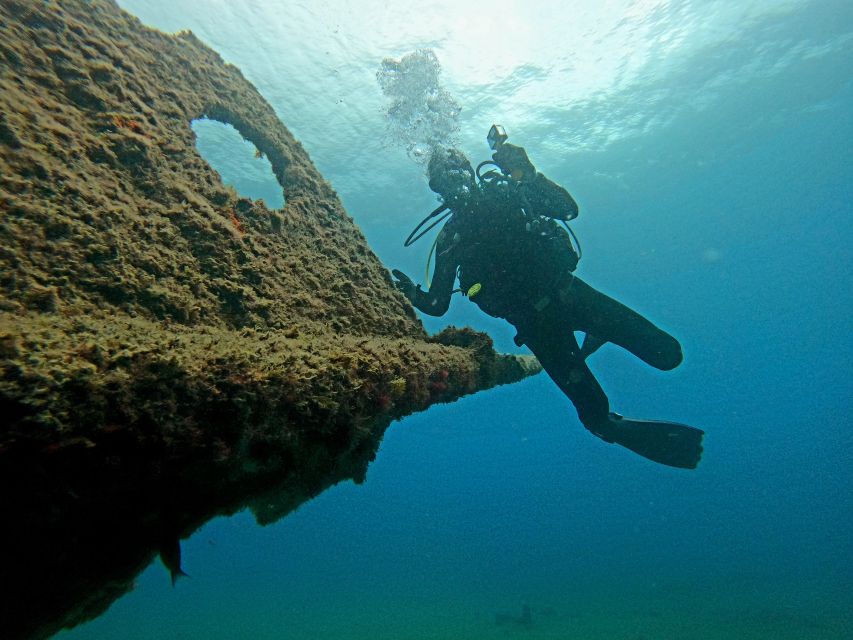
{"x": 404, "y": 284}
{"x": 514, "y": 162}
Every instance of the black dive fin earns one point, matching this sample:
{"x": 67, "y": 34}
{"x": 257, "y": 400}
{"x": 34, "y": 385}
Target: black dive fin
{"x": 669, "y": 443}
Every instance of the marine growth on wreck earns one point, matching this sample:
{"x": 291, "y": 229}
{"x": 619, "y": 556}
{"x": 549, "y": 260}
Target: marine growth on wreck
{"x": 170, "y": 351}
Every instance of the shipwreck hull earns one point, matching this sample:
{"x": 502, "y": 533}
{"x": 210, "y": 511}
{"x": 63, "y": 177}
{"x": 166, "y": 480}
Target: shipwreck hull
{"x": 170, "y": 351}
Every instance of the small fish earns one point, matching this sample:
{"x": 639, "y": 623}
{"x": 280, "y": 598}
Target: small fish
{"x": 170, "y": 555}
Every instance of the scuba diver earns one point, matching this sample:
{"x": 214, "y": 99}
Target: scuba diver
{"x": 502, "y": 241}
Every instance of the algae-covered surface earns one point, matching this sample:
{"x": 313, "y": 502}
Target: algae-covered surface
{"x": 169, "y": 350}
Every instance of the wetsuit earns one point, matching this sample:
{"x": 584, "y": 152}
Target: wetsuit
{"x": 535, "y": 290}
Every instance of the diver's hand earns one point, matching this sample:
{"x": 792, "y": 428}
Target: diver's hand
{"x": 514, "y": 162}
{"x": 403, "y": 283}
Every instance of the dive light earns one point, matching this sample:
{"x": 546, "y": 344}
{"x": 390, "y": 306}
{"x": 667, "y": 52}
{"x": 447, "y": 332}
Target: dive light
{"x": 497, "y": 136}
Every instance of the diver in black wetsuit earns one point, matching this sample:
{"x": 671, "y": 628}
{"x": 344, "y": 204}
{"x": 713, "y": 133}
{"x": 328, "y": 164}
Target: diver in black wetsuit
{"x": 516, "y": 263}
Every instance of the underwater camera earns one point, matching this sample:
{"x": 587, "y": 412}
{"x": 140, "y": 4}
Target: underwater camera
{"x": 497, "y": 136}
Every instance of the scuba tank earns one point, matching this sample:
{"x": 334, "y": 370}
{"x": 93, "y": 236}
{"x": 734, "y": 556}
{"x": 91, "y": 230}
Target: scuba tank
{"x": 513, "y": 236}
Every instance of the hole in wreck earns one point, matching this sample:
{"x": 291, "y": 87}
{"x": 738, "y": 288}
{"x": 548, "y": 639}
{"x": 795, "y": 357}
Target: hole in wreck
{"x": 238, "y": 161}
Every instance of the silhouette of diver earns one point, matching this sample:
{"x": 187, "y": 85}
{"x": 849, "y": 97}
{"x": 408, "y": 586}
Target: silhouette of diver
{"x": 511, "y": 257}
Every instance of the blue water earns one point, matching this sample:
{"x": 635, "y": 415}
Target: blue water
{"x": 709, "y": 146}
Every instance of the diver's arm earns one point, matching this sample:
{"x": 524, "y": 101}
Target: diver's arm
{"x": 435, "y": 301}
{"x": 542, "y": 197}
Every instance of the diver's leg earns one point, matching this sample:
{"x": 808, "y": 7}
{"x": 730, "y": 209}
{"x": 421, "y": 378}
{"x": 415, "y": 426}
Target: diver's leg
{"x": 555, "y": 347}
{"x": 552, "y": 341}
{"x": 611, "y": 321}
